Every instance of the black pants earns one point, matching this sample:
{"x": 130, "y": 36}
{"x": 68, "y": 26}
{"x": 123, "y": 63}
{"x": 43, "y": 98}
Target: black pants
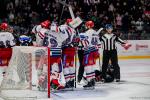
{"x": 81, "y": 67}
{"x": 110, "y": 55}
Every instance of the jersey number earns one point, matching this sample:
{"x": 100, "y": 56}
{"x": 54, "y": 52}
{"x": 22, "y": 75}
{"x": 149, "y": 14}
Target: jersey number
{"x": 50, "y": 41}
{"x": 94, "y": 41}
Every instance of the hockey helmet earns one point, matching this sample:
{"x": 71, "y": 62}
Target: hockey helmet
{"x": 45, "y": 24}
{"x": 3, "y": 26}
{"x": 108, "y": 26}
{"x": 89, "y": 24}
{"x": 68, "y": 20}
{"x": 25, "y": 40}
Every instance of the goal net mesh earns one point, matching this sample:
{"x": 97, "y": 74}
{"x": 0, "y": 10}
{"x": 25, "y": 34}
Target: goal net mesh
{"x": 27, "y": 69}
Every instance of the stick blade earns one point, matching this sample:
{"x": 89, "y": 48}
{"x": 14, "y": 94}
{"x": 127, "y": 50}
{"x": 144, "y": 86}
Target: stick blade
{"x": 63, "y": 3}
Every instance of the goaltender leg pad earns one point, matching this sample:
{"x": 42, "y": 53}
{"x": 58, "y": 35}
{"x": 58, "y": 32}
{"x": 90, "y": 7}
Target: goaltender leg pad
{"x": 55, "y": 58}
{"x": 56, "y": 68}
{"x": 5, "y": 55}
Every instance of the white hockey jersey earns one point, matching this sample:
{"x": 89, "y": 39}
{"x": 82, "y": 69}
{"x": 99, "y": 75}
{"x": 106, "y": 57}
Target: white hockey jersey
{"x": 40, "y": 36}
{"x": 7, "y": 39}
{"x": 36, "y": 29}
{"x": 67, "y": 32}
{"x": 89, "y": 38}
{"x": 54, "y": 39}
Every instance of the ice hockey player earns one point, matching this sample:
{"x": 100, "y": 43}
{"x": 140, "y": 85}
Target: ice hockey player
{"x": 109, "y": 40}
{"x": 45, "y": 24}
{"x": 109, "y": 74}
{"x": 90, "y": 54}
{"x": 68, "y": 54}
{"x": 7, "y": 39}
{"x": 40, "y": 30}
{"x": 54, "y": 39}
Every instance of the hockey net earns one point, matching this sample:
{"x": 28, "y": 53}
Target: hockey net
{"x": 27, "y": 69}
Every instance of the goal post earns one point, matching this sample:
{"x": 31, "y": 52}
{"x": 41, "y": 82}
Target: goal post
{"x": 48, "y": 74}
{"x": 28, "y": 69}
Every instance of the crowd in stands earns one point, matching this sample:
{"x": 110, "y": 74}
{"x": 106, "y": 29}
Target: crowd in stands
{"x": 127, "y": 16}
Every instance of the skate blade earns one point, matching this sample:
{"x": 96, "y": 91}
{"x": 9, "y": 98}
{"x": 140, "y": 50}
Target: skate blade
{"x": 89, "y": 88}
{"x": 100, "y": 82}
{"x": 55, "y": 90}
{"x": 62, "y": 90}
{"x": 67, "y": 89}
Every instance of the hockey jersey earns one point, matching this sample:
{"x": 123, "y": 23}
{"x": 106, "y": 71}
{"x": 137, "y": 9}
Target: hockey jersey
{"x": 68, "y": 32}
{"x": 89, "y": 38}
{"x": 40, "y": 36}
{"x": 36, "y": 29}
{"x": 54, "y": 39}
{"x": 6, "y": 40}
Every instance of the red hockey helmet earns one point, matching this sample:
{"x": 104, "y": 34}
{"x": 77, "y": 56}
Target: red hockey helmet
{"x": 45, "y": 24}
{"x": 89, "y": 24}
{"x": 68, "y": 20}
{"x": 3, "y": 26}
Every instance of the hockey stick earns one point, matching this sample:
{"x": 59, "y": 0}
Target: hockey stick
{"x": 76, "y": 52}
{"x": 62, "y": 10}
{"x": 70, "y": 8}
{"x": 63, "y": 3}
{"x": 98, "y": 32}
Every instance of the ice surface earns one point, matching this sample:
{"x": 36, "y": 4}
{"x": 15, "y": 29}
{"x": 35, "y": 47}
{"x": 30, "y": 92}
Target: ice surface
{"x": 135, "y": 75}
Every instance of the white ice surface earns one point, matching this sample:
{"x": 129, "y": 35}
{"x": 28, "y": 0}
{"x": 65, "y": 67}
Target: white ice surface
{"x": 136, "y": 86}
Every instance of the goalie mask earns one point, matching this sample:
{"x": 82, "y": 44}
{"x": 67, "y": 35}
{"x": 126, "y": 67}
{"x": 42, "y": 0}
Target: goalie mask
{"x": 25, "y": 40}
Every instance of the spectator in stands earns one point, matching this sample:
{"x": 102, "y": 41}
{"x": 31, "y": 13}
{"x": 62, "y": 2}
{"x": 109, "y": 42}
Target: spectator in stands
{"x": 118, "y": 21}
{"x": 139, "y": 25}
{"x": 125, "y": 23}
{"x": 27, "y": 13}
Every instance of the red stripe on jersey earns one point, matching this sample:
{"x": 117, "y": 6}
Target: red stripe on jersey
{"x": 70, "y": 31}
{"x": 89, "y": 76}
{"x": 85, "y": 43}
{"x": 69, "y": 77}
{"x": 41, "y": 35}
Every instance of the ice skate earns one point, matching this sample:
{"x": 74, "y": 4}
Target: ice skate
{"x": 83, "y": 81}
{"x": 90, "y": 85}
{"x": 69, "y": 86}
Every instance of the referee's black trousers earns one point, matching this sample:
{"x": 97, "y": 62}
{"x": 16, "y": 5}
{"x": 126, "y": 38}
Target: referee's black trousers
{"x": 81, "y": 67}
{"x": 110, "y": 55}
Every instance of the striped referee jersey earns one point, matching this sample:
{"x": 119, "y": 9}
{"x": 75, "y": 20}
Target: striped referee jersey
{"x": 109, "y": 41}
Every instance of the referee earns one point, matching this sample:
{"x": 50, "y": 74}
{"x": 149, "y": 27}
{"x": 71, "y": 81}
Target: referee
{"x": 81, "y": 66}
{"x": 108, "y": 40}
